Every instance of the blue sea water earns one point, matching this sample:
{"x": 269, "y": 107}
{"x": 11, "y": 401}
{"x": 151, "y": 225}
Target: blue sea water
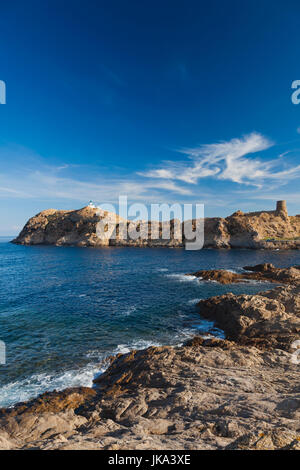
{"x": 64, "y": 309}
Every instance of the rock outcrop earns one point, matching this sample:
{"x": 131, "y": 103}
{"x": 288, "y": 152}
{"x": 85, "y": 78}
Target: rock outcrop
{"x": 256, "y": 230}
{"x": 269, "y": 319}
{"x": 260, "y": 272}
{"x": 208, "y": 394}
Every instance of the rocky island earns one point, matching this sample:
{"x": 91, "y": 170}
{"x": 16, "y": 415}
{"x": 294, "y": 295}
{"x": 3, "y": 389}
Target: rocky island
{"x": 260, "y": 272}
{"x": 255, "y": 230}
{"x": 241, "y": 392}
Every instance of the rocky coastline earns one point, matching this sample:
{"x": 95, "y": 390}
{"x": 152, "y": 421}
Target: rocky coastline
{"x": 241, "y": 392}
{"x": 254, "y": 230}
{"x": 261, "y": 272}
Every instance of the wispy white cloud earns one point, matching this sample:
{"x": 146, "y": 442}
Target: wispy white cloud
{"x": 271, "y": 195}
{"x": 14, "y": 192}
{"x": 234, "y": 161}
{"x": 230, "y": 161}
{"x": 55, "y": 183}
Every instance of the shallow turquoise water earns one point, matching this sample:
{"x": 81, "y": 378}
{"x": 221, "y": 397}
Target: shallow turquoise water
{"x": 62, "y": 310}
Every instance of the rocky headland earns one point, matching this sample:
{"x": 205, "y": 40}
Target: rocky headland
{"x": 254, "y": 230}
{"x": 242, "y": 392}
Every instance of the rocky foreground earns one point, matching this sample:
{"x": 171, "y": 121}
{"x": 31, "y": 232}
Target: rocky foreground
{"x": 209, "y": 394}
{"x": 238, "y": 393}
{"x": 267, "y": 320}
{"x": 255, "y": 230}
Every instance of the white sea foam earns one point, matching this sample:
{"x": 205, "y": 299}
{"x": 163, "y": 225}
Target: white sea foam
{"x": 36, "y": 384}
{"x": 140, "y": 344}
{"x": 128, "y": 311}
{"x": 253, "y": 281}
{"x": 182, "y": 277}
{"x": 33, "y": 386}
{"x": 184, "y": 335}
{"x": 193, "y": 301}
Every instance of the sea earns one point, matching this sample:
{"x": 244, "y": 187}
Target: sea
{"x": 65, "y": 310}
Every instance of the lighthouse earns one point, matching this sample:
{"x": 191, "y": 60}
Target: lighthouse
{"x": 92, "y": 205}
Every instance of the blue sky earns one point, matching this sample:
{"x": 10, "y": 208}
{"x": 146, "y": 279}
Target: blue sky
{"x": 163, "y": 101}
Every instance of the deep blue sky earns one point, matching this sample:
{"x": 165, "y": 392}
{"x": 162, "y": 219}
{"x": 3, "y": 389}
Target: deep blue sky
{"x": 100, "y": 95}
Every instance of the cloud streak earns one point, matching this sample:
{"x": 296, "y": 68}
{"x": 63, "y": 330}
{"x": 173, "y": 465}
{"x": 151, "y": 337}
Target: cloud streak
{"x": 52, "y": 183}
{"x": 235, "y": 161}
{"x": 228, "y": 161}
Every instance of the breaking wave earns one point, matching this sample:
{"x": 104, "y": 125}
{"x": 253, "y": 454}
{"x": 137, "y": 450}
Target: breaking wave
{"x": 182, "y": 277}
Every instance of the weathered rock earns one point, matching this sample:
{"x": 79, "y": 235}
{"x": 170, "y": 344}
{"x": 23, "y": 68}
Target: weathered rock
{"x": 261, "y": 268}
{"x": 269, "y": 320}
{"x": 280, "y": 439}
{"x": 51, "y": 402}
{"x": 218, "y": 275}
{"x": 261, "y": 272}
{"x": 208, "y": 394}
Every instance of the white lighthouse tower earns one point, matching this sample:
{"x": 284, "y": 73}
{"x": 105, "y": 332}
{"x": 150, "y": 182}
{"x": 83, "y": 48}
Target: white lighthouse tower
{"x": 92, "y": 205}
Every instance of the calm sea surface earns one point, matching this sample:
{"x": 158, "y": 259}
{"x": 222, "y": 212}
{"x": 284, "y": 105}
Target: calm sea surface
{"x": 63, "y": 310}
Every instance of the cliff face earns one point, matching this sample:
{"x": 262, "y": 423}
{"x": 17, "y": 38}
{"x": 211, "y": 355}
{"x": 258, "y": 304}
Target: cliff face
{"x": 268, "y": 230}
{"x": 54, "y": 227}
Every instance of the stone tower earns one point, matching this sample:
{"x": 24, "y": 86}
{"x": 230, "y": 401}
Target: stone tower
{"x": 281, "y": 208}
